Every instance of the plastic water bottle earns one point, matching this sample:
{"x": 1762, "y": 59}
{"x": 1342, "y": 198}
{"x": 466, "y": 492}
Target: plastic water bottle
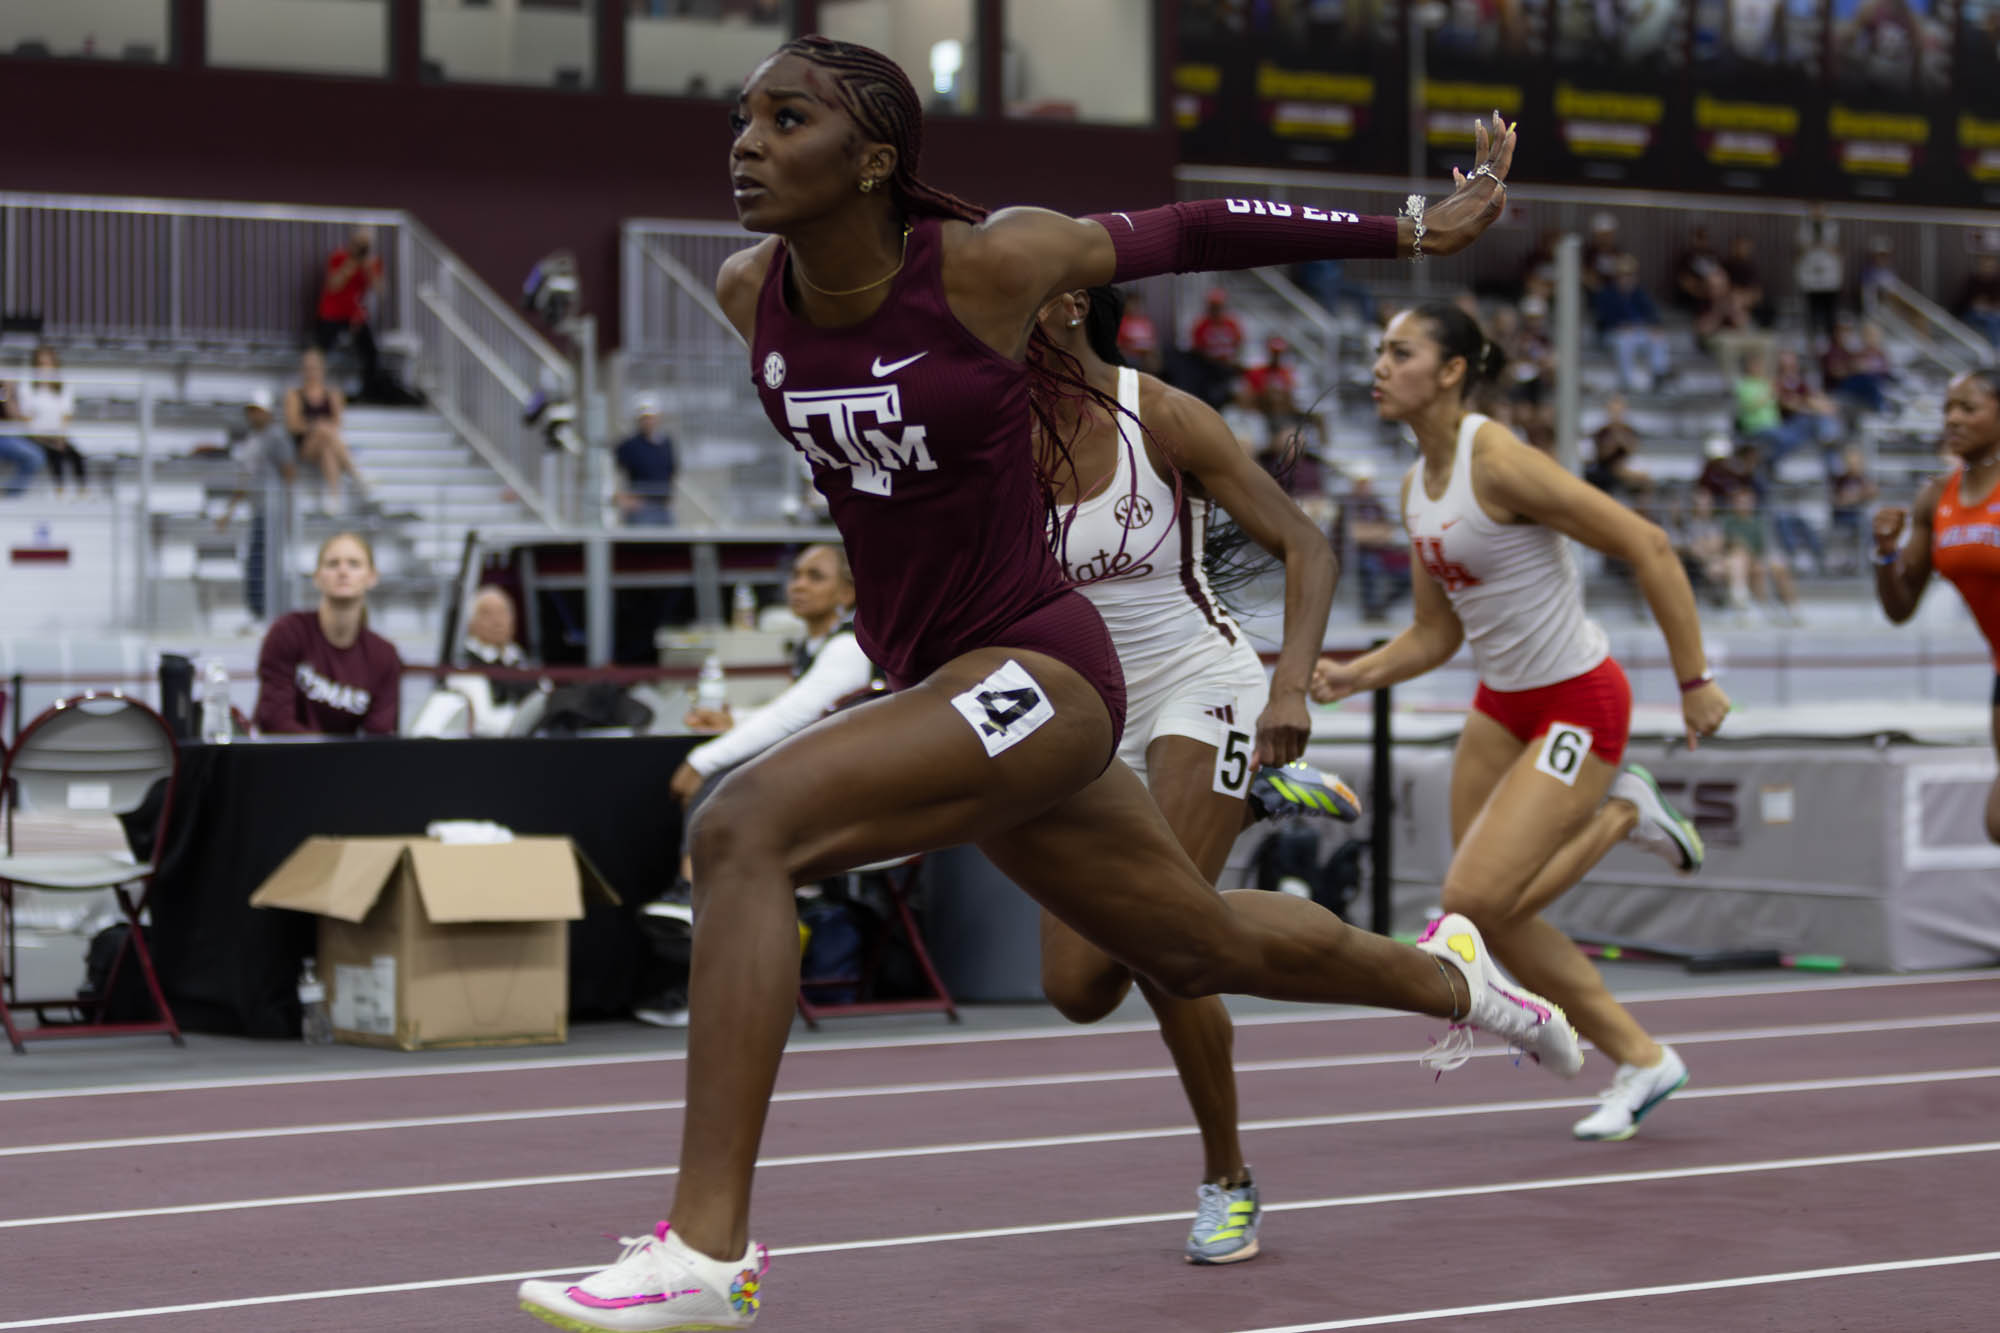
{"x": 743, "y": 607}
{"x": 710, "y": 690}
{"x": 315, "y": 1023}
{"x": 215, "y": 702}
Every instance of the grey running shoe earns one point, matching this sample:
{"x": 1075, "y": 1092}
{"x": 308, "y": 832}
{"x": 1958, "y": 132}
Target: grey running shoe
{"x": 1300, "y": 789}
{"x": 1225, "y": 1225}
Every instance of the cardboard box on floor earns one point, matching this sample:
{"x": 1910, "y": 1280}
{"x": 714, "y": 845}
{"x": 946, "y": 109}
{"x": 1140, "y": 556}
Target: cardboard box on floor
{"x": 426, "y": 944}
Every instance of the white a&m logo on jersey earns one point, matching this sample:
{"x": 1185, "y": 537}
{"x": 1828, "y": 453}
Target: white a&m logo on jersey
{"x": 774, "y": 370}
{"x": 858, "y": 429}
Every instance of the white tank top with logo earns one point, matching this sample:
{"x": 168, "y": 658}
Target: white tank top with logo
{"x": 1514, "y": 585}
{"x": 1142, "y": 548}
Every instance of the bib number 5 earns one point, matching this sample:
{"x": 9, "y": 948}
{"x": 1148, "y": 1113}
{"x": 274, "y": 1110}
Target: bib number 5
{"x": 1005, "y": 708}
{"x": 1562, "y": 753}
{"x": 1232, "y": 763}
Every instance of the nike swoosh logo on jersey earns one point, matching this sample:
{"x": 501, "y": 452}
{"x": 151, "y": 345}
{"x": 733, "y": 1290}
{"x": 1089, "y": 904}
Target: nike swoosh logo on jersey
{"x": 879, "y": 370}
{"x": 1447, "y": 523}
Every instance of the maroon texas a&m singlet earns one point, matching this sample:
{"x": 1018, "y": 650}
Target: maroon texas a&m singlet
{"x": 919, "y": 438}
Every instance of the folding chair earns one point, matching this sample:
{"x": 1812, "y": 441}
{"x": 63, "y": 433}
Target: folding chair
{"x": 897, "y": 878}
{"x": 99, "y": 753}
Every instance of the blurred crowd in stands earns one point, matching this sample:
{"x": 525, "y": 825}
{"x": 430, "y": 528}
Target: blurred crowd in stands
{"x": 1798, "y": 369}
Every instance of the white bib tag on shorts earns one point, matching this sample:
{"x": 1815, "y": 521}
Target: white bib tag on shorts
{"x": 1005, "y": 708}
{"x": 1232, "y": 762}
{"x": 1562, "y": 753}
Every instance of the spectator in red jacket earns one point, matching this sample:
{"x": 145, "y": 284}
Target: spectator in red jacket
{"x": 325, "y": 672}
{"x": 352, "y": 273}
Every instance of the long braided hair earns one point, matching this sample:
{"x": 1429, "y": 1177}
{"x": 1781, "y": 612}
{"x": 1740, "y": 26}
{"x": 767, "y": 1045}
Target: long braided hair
{"x": 878, "y": 95}
{"x": 1230, "y": 560}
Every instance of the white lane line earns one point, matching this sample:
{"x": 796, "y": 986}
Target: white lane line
{"x": 1099, "y": 1138}
{"x": 1178, "y": 1216}
{"x": 1641, "y": 1293}
{"x": 945, "y": 1086}
{"x": 807, "y": 1046}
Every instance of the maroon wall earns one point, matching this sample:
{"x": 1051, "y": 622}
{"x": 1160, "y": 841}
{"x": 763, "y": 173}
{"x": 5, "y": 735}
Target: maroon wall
{"x": 501, "y": 175}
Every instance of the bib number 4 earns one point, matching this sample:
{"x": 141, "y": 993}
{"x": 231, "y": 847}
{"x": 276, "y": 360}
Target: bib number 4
{"x": 1005, "y": 708}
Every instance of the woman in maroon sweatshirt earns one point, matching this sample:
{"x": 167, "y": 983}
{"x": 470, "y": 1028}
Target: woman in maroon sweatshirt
{"x": 325, "y": 672}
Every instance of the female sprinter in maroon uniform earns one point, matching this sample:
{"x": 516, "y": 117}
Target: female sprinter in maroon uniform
{"x": 1489, "y": 519}
{"x": 889, "y": 325}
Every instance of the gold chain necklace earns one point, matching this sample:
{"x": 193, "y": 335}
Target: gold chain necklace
{"x": 867, "y": 286}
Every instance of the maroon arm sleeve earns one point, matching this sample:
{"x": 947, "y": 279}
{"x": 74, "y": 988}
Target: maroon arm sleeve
{"x": 277, "y": 691}
{"x": 385, "y": 692}
{"x": 1206, "y": 235}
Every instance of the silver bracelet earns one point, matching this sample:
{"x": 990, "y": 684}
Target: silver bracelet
{"x": 1413, "y": 209}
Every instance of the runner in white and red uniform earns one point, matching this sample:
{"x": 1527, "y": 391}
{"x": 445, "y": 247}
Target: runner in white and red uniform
{"x": 1489, "y": 520}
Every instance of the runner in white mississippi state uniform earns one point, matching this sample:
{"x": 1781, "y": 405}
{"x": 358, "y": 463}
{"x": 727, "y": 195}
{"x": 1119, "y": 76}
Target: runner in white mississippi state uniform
{"x": 1488, "y": 517}
{"x": 1200, "y": 716}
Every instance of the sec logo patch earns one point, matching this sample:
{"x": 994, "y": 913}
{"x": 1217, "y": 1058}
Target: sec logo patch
{"x": 774, "y": 370}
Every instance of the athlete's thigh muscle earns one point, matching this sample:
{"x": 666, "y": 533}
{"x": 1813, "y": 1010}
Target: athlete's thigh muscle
{"x": 1105, "y": 864}
{"x": 912, "y": 773}
{"x": 1520, "y": 826}
{"x": 1486, "y": 751}
{"x": 1181, "y": 772}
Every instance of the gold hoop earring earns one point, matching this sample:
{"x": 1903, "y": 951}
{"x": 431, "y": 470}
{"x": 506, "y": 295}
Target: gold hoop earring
{"x": 867, "y": 184}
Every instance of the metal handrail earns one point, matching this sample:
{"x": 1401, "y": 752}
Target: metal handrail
{"x": 508, "y": 318}
{"x": 1977, "y": 351}
{"x": 678, "y": 274}
{"x": 530, "y": 494}
{"x": 176, "y": 270}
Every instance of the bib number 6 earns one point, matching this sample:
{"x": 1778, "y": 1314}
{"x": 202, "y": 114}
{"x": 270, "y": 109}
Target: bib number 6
{"x": 1562, "y": 753}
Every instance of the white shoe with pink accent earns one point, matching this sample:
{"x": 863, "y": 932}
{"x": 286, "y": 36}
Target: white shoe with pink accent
{"x": 1521, "y": 1018}
{"x": 659, "y": 1285}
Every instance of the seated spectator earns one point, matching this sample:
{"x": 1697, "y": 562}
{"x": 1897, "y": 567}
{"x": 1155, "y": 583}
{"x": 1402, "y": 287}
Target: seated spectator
{"x": 1979, "y": 303}
{"x": 1272, "y": 389}
{"x": 45, "y": 406}
{"x": 264, "y": 450}
{"x": 1326, "y": 281}
{"x": 1852, "y": 491}
{"x": 1857, "y": 367}
{"x": 1749, "y": 565}
{"x": 1217, "y": 343}
{"x": 1629, "y": 323}
{"x": 647, "y": 465}
{"x": 1704, "y": 551}
{"x": 1381, "y": 551}
{"x": 324, "y": 672}
{"x": 1878, "y": 268}
{"x": 1799, "y": 401}
{"x": 1746, "y": 280}
{"x": 1138, "y": 338}
{"x": 1694, "y": 289}
{"x": 490, "y": 642}
{"x": 1820, "y": 272}
{"x": 353, "y": 272}
{"x": 314, "y": 412}
{"x": 1729, "y": 469}
{"x": 1610, "y": 469}
{"x": 827, "y": 666}
{"x": 16, "y": 451}
{"x": 1531, "y": 364}
{"x": 1761, "y": 420}
{"x": 1601, "y": 254}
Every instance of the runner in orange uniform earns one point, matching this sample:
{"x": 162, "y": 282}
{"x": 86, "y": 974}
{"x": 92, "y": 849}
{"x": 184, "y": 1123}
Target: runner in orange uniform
{"x": 1955, "y": 531}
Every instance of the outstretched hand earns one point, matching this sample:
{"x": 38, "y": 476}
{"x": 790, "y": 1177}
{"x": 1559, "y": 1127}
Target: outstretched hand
{"x": 1477, "y": 197}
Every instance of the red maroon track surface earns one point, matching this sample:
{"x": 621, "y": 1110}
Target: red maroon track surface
{"x": 1403, "y": 1196}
